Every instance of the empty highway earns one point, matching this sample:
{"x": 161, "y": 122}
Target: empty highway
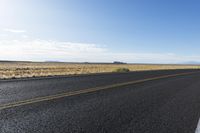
{"x": 166, "y": 101}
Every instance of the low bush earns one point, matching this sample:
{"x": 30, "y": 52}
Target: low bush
{"x": 122, "y": 70}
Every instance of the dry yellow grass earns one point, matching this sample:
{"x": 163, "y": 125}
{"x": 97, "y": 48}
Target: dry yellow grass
{"x": 20, "y": 69}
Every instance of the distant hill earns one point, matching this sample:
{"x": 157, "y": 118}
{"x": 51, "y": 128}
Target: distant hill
{"x": 118, "y": 62}
{"x": 191, "y": 63}
{"x": 9, "y": 61}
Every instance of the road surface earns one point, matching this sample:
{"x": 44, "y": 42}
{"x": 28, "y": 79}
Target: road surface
{"x": 135, "y": 102}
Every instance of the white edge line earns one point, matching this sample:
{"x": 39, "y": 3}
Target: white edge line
{"x": 198, "y": 127}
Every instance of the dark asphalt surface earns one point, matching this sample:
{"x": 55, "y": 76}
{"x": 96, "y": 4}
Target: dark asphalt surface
{"x": 15, "y": 90}
{"x": 170, "y": 105}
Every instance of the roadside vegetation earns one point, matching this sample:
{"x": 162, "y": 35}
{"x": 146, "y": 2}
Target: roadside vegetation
{"x": 24, "y": 69}
{"x": 121, "y": 70}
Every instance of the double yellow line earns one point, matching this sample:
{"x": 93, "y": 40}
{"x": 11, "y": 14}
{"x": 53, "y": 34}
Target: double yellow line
{"x": 83, "y": 91}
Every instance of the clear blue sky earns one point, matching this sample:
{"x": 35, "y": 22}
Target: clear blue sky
{"x": 152, "y": 31}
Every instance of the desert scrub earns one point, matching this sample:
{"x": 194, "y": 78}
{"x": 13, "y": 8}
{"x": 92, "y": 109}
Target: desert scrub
{"x": 37, "y": 69}
{"x": 122, "y": 70}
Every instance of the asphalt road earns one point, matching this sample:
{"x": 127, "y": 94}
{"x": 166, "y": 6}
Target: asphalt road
{"x": 165, "y": 105}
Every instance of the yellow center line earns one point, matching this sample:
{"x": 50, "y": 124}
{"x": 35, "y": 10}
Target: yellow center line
{"x": 83, "y": 91}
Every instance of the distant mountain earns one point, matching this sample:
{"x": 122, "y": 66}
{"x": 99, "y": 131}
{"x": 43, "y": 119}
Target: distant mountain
{"x": 191, "y": 62}
{"x": 10, "y": 61}
{"x": 52, "y": 61}
{"x": 119, "y": 62}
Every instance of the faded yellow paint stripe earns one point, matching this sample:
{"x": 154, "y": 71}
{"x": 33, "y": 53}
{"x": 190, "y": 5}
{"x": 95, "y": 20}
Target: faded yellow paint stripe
{"x": 83, "y": 91}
